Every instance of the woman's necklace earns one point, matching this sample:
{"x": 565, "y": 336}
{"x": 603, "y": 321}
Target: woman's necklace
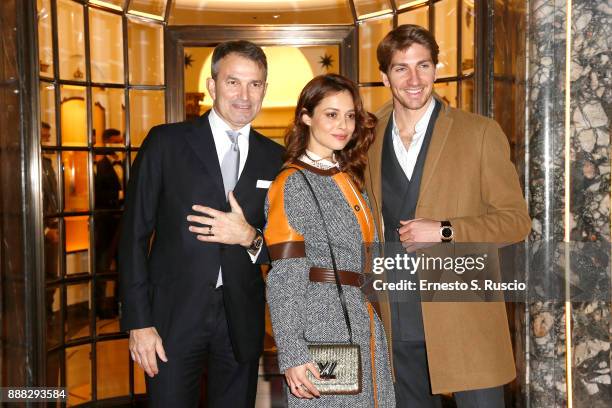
{"x": 318, "y": 162}
{"x": 331, "y": 158}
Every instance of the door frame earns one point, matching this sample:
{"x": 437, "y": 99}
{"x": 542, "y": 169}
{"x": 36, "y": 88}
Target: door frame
{"x": 176, "y": 38}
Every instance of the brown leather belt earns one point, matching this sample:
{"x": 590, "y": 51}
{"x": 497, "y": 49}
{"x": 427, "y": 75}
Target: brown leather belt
{"x": 327, "y": 276}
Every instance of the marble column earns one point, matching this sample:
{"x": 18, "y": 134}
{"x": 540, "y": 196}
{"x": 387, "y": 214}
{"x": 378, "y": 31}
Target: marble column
{"x": 591, "y": 111}
{"x": 588, "y": 177}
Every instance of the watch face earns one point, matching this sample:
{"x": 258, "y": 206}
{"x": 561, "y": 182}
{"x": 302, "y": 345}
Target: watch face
{"x": 447, "y": 232}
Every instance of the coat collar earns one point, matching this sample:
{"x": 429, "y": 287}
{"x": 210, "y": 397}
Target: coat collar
{"x": 436, "y": 146}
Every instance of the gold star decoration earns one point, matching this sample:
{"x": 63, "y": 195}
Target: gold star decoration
{"x": 326, "y": 61}
{"x": 188, "y": 60}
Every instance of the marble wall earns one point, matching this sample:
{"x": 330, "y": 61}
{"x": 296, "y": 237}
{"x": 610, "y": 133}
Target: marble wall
{"x": 589, "y": 197}
{"x": 545, "y": 375}
{"x": 591, "y": 111}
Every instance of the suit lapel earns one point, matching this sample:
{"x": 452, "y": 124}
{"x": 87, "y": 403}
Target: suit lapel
{"x": 202, "y": 142}
{"x": 249, "y": 170}
{"x": 436, "y": 146}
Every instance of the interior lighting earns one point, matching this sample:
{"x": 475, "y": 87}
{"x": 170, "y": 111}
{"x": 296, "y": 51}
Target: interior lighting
{"x": 105, "y": 4}
{"x": 412, "y": 4}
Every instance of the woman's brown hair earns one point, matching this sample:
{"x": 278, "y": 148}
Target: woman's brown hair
{"x": 353, "y": 157}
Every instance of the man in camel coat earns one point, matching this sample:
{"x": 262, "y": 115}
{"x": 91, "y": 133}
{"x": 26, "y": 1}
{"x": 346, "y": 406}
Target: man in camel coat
{"x": 437, "y": 174}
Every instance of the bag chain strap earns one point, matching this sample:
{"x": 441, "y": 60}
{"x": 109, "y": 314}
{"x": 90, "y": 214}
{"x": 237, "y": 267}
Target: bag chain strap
{"x": 333, "y": 258}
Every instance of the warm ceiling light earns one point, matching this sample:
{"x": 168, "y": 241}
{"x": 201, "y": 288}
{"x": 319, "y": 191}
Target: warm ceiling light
{"x": 145, "y": 15}
{"x": 105, "y": 4}
{"x": 412, "y": 3}
{"x": 273, "y": 6}
{"x": 374, "y": 14}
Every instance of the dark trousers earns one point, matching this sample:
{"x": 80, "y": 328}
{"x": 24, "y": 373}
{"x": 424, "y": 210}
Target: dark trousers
{"x": 229, "y": 383}
{"x": 413, "y": 389}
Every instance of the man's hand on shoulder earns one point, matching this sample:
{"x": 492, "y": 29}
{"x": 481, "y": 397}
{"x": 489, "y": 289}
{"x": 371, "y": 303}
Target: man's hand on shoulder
{"x": 145, "y": 344}
{"x": 221, "y": 227}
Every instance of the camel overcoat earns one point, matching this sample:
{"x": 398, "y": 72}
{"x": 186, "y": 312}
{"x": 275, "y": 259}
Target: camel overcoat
{"x": 470, "y": 180}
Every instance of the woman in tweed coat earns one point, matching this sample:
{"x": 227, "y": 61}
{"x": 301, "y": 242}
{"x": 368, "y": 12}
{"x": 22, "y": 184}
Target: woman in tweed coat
{"x": 328, "y": 142}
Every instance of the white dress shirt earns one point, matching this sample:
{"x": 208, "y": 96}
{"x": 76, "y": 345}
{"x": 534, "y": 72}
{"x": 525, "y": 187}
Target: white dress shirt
{"x": 223, "y": 143}
{"x": 407, "y": 158}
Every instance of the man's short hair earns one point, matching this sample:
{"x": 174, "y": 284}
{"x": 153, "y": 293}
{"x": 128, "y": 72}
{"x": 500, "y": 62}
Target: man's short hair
{"x": 400, "y": 39}
{"x": 108, "y": 133}
{"x": 45, "y": 125}
{"x": 243, "y": 48}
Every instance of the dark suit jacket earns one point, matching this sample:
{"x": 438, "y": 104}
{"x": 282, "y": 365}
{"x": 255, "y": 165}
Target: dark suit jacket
{"x": 166, "y": 274}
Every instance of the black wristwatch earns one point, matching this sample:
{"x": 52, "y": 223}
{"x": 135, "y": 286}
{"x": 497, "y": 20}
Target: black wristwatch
{"x": 446, "y": 231}
{"x": 256, "y": 243}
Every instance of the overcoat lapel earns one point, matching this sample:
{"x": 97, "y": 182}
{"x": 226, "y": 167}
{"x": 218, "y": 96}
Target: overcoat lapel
{"x": 436, "y": 146}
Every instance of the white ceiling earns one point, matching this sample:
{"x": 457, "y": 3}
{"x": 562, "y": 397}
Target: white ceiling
{"x": 258, "y": 5}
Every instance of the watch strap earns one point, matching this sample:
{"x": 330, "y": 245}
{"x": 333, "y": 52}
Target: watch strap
{"x": 257, "y": 241}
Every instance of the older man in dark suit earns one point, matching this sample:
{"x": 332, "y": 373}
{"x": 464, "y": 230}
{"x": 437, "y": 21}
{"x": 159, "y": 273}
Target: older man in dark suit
{"x": 192, "y": 304}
